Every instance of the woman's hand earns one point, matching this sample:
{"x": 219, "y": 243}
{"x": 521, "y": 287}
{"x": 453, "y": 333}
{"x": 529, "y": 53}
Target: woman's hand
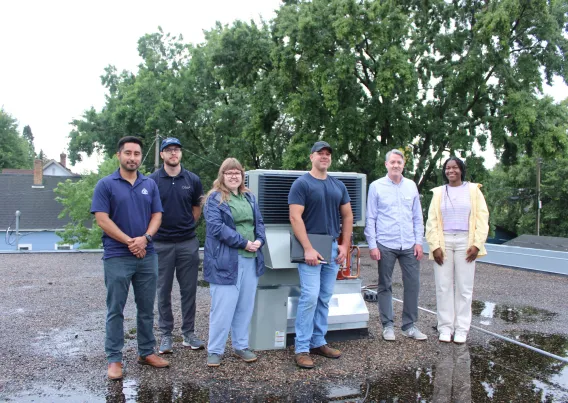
{"x": 471, "y": 253}
{"x": 253, "y": 246}
{"x": 438, "y": 256}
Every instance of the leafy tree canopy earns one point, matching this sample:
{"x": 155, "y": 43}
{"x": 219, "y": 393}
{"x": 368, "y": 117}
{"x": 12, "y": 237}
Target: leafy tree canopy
{"x": 76, "y": 198}
{"x": 432, "y": 79}
{"x": 15, "y": 150}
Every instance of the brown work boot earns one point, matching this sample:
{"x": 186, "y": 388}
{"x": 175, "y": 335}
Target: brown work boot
{"x": 114, "y": 371}
{"x": 303, "y": 360}
{"x": 154, "y": 361}
{"x": 326, "y": 351}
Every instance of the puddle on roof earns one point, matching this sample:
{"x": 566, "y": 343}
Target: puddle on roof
{"x": 510, "y": 314}
{"x": 500, "y": 371}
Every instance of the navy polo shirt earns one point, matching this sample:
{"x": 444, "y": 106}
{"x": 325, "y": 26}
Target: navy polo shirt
{"x": 130, "y": 207}
{"x": 179, "y": 194}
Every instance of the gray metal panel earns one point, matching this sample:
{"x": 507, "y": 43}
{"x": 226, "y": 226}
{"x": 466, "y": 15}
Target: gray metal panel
{"x": 525, "y": 258}
{"x": 268, "y": 324}
{"x": 347, "y": 309}
{"x": 277, "y": 248}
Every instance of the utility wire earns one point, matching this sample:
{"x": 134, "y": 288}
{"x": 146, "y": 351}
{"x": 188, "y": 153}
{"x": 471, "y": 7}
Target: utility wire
{"x": 149, "y": 149}
{"x": 204, "y": 159}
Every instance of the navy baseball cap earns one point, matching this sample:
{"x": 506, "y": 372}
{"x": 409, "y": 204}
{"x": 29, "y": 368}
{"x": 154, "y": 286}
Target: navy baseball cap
{"x": 319, "y": 145}
{"x": 168, "y": 142}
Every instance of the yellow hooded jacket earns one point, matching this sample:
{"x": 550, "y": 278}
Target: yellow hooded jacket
{"x": 478, "y": 221}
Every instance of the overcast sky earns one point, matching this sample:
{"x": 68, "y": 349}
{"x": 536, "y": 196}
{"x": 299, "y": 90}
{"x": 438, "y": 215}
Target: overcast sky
{"x": 54, "y": 52}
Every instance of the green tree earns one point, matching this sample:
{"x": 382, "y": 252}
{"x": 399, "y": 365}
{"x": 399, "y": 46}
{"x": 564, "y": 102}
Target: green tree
{"x": 438, "y": 76}
{"x": 217, "y": 98}
{"x": 28, "y": 135}
{"x": 14, "y": 149}
{"x": 433, "y": 79}
{"x": 76, "y": 199}
{"x": 512, "y": 199}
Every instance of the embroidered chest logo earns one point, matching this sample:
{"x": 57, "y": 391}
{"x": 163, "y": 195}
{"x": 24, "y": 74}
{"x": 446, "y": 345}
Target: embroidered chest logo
{"x": 144, "y": 191}
{"x": 186, "y": 187}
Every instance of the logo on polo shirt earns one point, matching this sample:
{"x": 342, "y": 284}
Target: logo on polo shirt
{"x": 186, "y": 187}
{"x": 144, "y": 191}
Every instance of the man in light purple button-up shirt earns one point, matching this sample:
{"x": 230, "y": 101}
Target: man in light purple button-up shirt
{"x": 394, "y": 230}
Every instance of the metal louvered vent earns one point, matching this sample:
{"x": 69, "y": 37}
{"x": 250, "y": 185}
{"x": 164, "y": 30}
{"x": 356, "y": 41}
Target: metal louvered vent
{"x": 246, "y": 180}
{"x": 273, "y": 192}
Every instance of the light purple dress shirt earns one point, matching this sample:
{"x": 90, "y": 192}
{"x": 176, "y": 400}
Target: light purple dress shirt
{"x": 394, "y": 214}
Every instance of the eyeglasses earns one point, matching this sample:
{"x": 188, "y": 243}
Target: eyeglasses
{"x": 172, "y": 150}
{"x": 232, "y": 174}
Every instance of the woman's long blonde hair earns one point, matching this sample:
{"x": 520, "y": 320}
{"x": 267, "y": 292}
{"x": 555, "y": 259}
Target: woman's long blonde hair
{"x": 219, "y": 183}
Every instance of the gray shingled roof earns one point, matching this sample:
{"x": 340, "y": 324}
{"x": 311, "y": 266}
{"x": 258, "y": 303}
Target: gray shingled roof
{"x": 540, "y": 242}
{"x": 38, "y": 206}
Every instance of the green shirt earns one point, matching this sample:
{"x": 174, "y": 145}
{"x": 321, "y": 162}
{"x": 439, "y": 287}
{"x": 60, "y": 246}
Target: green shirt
{"x": 244, "y": 220}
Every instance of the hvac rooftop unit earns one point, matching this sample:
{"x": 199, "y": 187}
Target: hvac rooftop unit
{"x": 279, "y": 288}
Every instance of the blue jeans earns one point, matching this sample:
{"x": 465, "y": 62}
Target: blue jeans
{"x": 316, "y": 289}
{"x": 231, "y": 309}
{"x": 120, "y": 272}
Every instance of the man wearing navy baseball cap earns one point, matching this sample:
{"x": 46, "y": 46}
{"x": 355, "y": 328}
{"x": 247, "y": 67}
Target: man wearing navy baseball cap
{"x": 169, "y": 142}
{"x": 316, "y": 202}
{"x": 176, "y": 244}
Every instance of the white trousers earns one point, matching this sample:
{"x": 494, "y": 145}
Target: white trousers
{"x": 454, "y": 286}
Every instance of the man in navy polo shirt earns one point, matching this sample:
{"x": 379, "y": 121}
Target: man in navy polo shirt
{"x": 128, "y": 209}
{"x": 176, "y": 244}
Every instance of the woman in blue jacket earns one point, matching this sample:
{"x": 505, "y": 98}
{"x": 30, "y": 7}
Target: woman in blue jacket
{"x": 232, "y": 261}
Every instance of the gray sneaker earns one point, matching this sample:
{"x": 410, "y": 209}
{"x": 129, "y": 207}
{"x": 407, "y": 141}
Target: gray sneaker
{"x": 213, "y": 360}
{"x": 166, "y": 345}
{"x": 192, "y": 341}
{"x": 388, "y": 333}
{"x": 246, "y": 355}
{"x": 414, "y": 333}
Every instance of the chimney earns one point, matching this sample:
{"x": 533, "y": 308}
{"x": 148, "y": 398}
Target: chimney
{"x": 38, "y": 173}
{"x": 63, "y": 159}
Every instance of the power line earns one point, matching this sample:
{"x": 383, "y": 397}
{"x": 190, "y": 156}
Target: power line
{"x": 204, "y": 159}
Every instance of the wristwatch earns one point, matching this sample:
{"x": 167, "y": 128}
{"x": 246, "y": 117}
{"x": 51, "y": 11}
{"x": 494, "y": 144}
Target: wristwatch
{"x": 148, "y": 237}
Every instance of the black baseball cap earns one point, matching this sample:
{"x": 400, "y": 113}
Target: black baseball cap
{"x": 168, "y": 142}
{"x": 319, "y": 145}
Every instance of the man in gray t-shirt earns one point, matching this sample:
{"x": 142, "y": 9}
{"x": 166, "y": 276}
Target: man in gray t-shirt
{"x": 316, "y": 200}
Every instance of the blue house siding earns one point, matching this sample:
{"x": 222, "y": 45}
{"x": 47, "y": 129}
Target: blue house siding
{"x": 39, "y": 241}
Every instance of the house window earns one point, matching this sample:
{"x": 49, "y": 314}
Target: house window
{"x": 25, "y": 246}
{"x": 65, "y": 246}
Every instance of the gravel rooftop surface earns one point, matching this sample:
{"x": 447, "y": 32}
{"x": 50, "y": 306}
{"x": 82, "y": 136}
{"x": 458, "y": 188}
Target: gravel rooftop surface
{"x": 52, "y": 315}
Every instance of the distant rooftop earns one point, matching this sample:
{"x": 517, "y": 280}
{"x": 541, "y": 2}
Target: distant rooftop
{"x": 540, "y": 242}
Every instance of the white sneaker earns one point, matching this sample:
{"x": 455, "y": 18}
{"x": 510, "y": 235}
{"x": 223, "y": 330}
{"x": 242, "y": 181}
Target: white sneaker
{"x": 414, "y": 333}
{"x": 460, "y": 338}
{"x": 445, "y": 337}
{"x": 388, "y": 333}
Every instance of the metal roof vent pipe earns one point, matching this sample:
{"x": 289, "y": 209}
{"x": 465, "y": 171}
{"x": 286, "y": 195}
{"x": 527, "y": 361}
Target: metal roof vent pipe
{"x": 279, "y": 288}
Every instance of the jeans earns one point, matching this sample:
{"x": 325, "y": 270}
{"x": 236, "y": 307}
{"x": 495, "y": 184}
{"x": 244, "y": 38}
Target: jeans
{"x": 454, "y": 286}
{"x": 120, "y": 272}
{"x": 316, "y": 289}
{"x": 410, "y": 267}
{"x": 231, "y": 309}
{"x": 181, "y": 259}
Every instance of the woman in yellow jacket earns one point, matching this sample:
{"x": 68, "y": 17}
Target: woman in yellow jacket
{"x": 456, "y": 230}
